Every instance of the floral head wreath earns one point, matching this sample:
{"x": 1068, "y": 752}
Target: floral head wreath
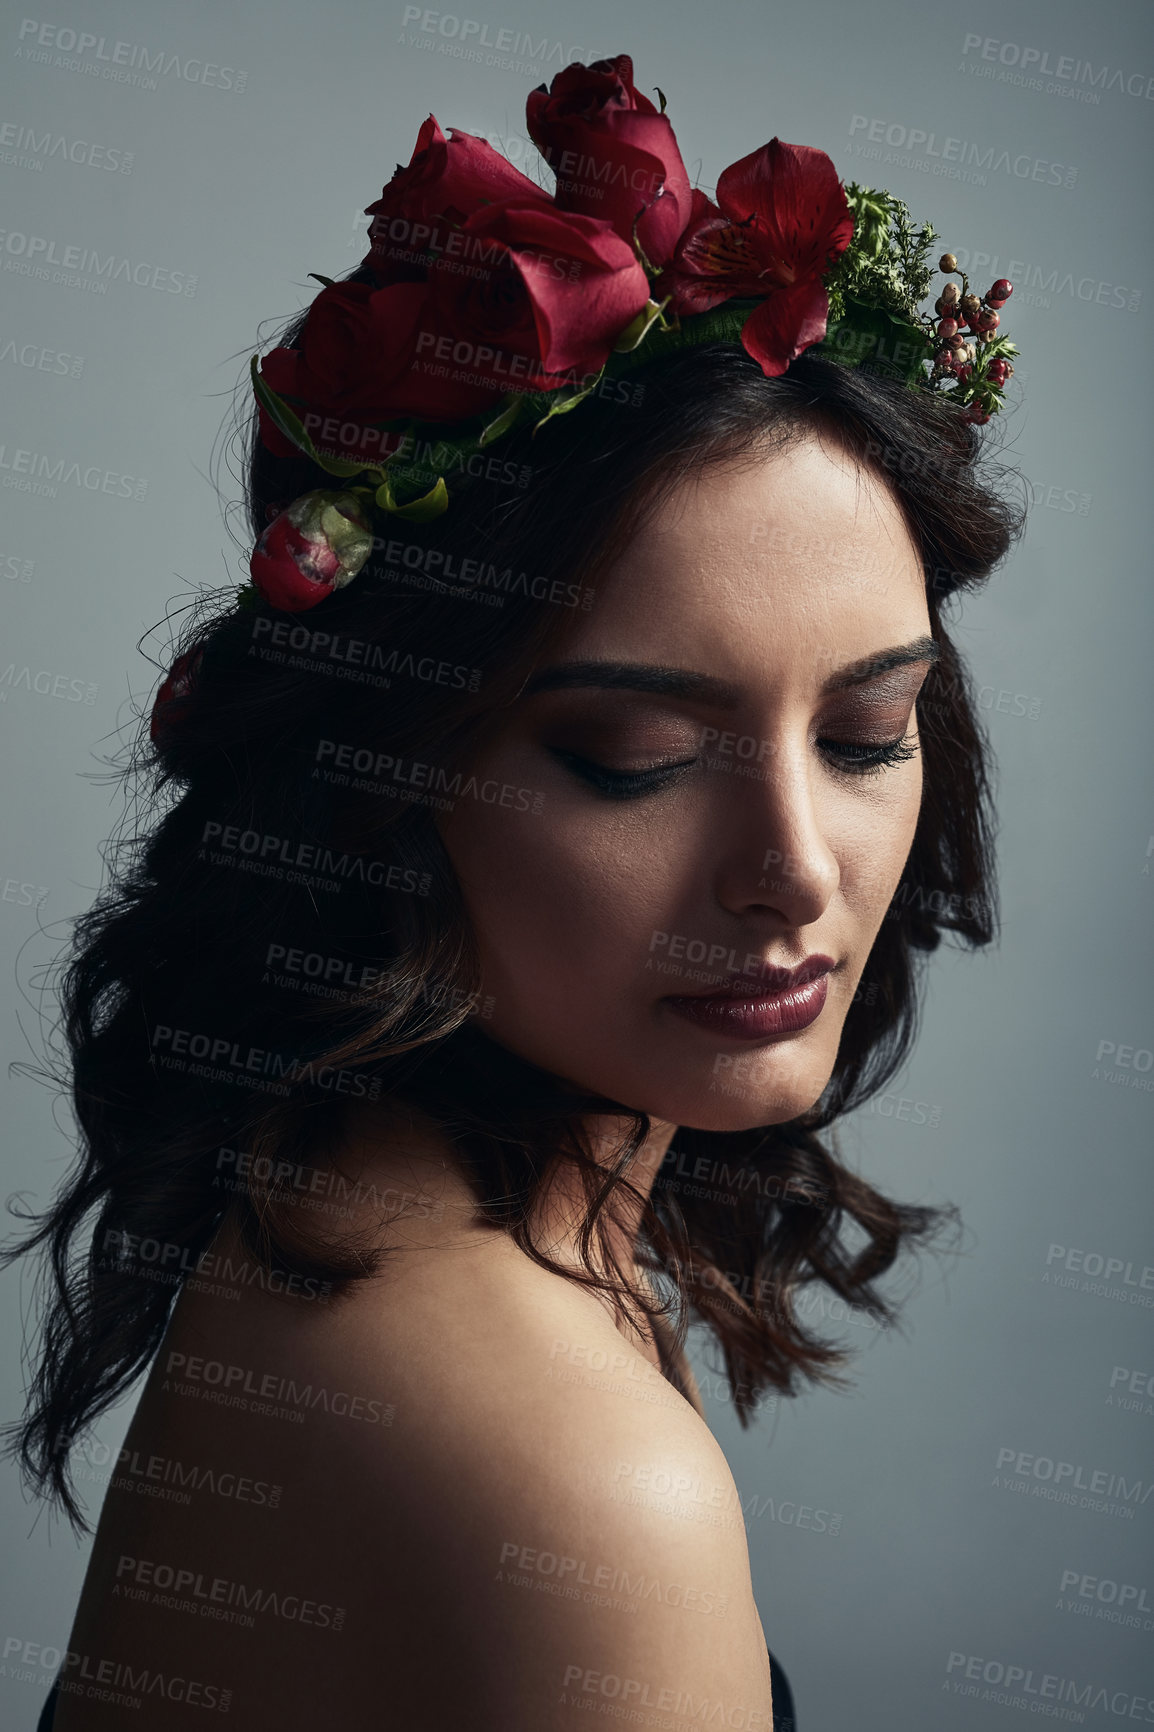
{"x": 495, "y": 304}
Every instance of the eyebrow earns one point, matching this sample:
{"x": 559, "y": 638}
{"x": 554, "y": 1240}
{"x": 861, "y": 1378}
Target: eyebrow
{"x": 686, "y": 683}
{"x": 922, "y": 649}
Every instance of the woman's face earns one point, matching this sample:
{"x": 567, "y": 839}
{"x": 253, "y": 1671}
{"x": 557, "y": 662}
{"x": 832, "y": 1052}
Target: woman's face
{"x": 717, "y": 798}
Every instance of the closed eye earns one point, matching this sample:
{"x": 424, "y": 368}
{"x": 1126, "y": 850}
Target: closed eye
{"x": 859, "y": 758}
{"x": 623, "y": 784}
{"x": 851, "y": 757}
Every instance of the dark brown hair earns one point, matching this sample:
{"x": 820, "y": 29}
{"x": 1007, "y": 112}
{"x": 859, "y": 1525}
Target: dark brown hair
{"x": 248, "y": 846}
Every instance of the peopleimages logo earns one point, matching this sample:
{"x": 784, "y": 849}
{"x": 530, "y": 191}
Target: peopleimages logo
{"x": 1015, "y": 1686}
{"x": 1033, "y": 64}
{"x": 167, "y": 1479}
{"x": 1106, "y": 1601}
{"x": 123, "y": 1681}
{"x": 1070, "y": 1482}
{"x": 40, "y": 257}
{"x": 569, "y": 1576}
{"x": 218, "y": 1591}
{"x": 74, "y": 50}
{"x": 470, "y": 39}
{"x": 269, "y": 855}
{"x": 38, "y": 358}
{"x": 24, "y": 147}
{"x": 962, "y": 151}
{"x": 240, "y": 1385}
{"x": 447, "y": 567}
{"x": 34, "y": 472}
{"x": 423, "y": 782}
{"x": 222, "y": 1055}
{"x": 323, "y": 647}
{"x": 1035, "y": 283}
{"x": 132, "y": 1252}
{"x": 1096, "y": 1272}
{"x": 46, "y": 684}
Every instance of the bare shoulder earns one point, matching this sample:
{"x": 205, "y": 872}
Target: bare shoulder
{"x": 571, "y": 1517}
{"x": 499, "y": 1512}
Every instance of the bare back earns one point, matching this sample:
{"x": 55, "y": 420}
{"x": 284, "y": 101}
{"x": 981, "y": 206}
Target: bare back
{"x": 455, "y": 1495}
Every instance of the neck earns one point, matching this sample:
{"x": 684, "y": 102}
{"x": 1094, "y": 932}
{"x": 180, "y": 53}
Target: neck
{"x": 396, "y": 1144}
{"x": 562, "y": 1206}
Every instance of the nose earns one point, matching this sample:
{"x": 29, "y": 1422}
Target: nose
{"x": 775, "y": 854}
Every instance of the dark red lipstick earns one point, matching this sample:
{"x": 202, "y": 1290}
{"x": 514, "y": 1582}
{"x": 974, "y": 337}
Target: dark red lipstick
{"x": 773, "y": 1001}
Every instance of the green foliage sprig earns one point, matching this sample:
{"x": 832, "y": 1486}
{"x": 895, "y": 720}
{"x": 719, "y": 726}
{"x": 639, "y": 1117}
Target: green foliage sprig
{"x": 887, "y": 261}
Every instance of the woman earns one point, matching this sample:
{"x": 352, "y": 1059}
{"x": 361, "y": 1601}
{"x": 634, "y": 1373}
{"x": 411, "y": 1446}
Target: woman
{"x": 531, "y": 882}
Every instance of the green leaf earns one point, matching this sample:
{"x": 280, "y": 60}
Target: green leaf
{"x": 650, "y": 269}
{"x": 562, "y": 405}
{"x": 338, "y": 466}
{"x": 280, "y": 413}
{"x": 430, "y": 504}
{"x": 998, "y": 345}
{"x": 871, "y": 212}
{"x": 503, "y": 421}
{"x": 721, "y": 324}
{"x": 870, "y": 333}
{"x": 635, "y": 331}
{"x": 886, "y": 263}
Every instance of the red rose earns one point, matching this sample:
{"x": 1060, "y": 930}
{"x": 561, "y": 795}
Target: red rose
{"x": 316, "y": 545}
{"x": 780, "y": 221}
{"x": 533, "y": 296}
{"x": 446, "y": 180}
{"x": 354, "y": 368}
{"x": 170, "y": 702}
{"x": 613, "y": 153}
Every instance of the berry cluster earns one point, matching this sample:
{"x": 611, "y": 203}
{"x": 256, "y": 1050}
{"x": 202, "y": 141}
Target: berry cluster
{"x": 967, "y": 342}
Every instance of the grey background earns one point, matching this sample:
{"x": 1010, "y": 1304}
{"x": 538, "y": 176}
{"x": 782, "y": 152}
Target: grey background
{"x": 1007, "y": 1110}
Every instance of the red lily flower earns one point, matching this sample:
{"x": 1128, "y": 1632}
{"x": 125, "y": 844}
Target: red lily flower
{"x": 781, "y": 219}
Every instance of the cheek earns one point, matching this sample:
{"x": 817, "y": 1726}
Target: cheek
{"x": 559, "y": 893}
{"x": 876, "y": 836}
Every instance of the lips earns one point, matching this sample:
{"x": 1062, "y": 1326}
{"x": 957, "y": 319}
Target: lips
{"x": 769, "y": 981}
{"x": 752, "y": 1010}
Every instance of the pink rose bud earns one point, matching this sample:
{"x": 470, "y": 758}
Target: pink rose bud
{"x": 316, "y": 545}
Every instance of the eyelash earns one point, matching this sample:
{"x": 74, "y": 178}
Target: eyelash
{"x": 877, "y": 757}
{"x": 856, "y": 760}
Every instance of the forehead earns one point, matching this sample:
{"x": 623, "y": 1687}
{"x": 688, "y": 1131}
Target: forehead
{"x": 800, "y": 550}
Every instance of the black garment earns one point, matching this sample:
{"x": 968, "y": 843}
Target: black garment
{"x": 784, "y": 1718}
{"x": 783, "y": 1715}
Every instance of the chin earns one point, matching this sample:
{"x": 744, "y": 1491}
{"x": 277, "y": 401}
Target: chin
{"x": 727, "y": 1103}
{"x": 715, "y": 1113}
